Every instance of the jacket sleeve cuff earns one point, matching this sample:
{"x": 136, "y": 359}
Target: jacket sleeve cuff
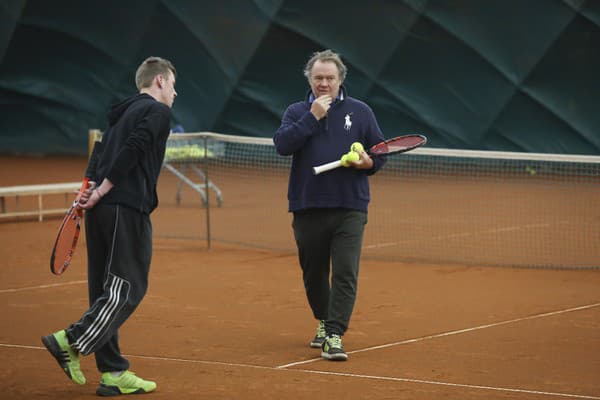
{"x": 378, "y": 162}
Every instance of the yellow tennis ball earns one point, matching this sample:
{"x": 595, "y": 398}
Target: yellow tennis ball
{"x": 349, "y": 157}
{"x": 357, "y": 147}
{"x": 353, "y": 156}
{"x": 344, "y": 160}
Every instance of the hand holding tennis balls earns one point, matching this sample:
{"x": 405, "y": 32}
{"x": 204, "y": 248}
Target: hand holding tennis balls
{"x": 362, "y": 161}
{"x": 353, "y": 155}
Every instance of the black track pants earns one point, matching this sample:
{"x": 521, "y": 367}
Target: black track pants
{"x": 119, "y": 245}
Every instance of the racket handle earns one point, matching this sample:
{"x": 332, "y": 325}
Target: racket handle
{"x": 85, "y": 184}
{"x": 326, "y": 167}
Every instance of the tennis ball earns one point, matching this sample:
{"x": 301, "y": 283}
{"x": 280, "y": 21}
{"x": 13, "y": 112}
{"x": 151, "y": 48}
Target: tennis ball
{"x": 344, "y": 160}
{"x": 349, "y": 157}
{"x": 357, "y": 147}
{"x": 353, "y": 156}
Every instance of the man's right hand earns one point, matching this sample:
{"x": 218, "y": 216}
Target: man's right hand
{"x": 320, "y": 106}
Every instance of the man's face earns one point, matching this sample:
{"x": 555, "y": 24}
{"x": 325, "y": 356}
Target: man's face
{"x": 325, "y": 79}
{"x": 168, "y": 92}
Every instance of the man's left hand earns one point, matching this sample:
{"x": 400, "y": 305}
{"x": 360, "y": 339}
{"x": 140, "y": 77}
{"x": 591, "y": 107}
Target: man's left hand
{"x": 365, "y": 162}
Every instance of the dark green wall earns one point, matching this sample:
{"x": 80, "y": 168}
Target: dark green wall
{"x": 509, "y": 75}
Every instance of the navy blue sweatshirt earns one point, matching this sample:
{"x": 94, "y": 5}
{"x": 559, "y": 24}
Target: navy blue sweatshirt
{"x": 313, "y": 142}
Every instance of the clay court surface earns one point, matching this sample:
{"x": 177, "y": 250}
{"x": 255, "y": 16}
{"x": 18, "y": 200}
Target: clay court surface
{"x": 232, "y": 322}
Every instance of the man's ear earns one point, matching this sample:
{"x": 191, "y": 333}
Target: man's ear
{"x": 160, "y": 80}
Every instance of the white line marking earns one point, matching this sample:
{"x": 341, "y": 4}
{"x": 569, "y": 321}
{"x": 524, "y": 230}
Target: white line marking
{"x": 438, "y": 335}
{"x": 41, "y": 286}
{"x": 347, "y": 375}
{"x": 186, "y": 360}
{"x": 469, "y": 234}
{"x": 499, "y": 389}
{"x": 21, "y": 346}
{"x": 158, "y": 358}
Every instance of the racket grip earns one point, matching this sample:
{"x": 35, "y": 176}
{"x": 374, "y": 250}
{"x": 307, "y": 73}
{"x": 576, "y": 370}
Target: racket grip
{"x": 84, "y": 184}
{"x": 326, "y": 167}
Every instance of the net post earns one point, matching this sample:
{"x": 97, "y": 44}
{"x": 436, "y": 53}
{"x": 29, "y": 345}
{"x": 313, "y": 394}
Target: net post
{"x": 206, "y": 190}
{"x": 94, "y": 135}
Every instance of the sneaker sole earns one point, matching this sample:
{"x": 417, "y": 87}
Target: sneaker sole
{"x": 108, "y": 391}
{"x": 335, "y": 357}
{"x": 316, "y": 345}
{"x": 54, "y": 348}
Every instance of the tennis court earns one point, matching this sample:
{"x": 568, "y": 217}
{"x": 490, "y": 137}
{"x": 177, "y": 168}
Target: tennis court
{"x": 233, "y": 322}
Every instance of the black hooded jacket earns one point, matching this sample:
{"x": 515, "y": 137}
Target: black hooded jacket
{"x": 132, "y": 151}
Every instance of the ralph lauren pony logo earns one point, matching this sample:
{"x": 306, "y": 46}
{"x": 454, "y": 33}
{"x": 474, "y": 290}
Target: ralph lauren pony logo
{"x": 348, "y": 122}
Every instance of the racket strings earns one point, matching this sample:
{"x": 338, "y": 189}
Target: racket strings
{"x": 399, "y": 144}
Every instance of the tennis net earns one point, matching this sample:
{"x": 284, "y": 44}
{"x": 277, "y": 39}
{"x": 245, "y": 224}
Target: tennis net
{"x": 428, "y": 205}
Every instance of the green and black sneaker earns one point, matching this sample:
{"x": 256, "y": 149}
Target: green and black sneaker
{"x": 126, "y": 383}
{"x": 317, "y": 342}
{"x": 333, "y": 349}
{"x": 68, "y": 359}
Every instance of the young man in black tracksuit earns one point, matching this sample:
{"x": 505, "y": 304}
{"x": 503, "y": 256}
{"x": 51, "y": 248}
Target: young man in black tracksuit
{"x": 123, "y": 172}
{"x": 330, "y": 209}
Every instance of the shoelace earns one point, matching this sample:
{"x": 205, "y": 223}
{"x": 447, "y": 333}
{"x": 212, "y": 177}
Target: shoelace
{"x": 335, "y": 341}
{"x": 321, "y": 330}
{"x": 128, "y": 379}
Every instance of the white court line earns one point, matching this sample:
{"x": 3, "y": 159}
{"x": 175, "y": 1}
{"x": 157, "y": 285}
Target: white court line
{"x": 469, "y": 234}
{"x": 438, "y": 335}
{"x": 461, "y": 385}
{"x": 41, "y": 286}
{"x": 158, "y": 358}
{"x": 342, "y": 374}
{"x": 21, "y": 346}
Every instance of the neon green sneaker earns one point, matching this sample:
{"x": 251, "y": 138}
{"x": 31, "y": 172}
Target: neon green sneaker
{"x": 68, "y": 359}
{"x": 333, "y": 349}
{"x": 317, "y": 342}
{"x": 126, "y": 383}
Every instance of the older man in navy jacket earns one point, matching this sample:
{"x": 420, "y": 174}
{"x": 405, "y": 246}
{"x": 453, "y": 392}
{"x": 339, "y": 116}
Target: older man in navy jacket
{"x": 330, "y": 209}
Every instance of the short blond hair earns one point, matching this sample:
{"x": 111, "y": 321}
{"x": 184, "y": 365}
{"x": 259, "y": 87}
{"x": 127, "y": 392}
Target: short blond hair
{"x": 326, "y": 56}
{"x": 151, "y": 67}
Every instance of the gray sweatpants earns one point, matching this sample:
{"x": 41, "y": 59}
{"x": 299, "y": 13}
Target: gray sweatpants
{"x": 329, "y": 241}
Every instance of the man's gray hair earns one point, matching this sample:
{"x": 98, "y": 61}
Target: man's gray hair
{"x": 326, "y": 56}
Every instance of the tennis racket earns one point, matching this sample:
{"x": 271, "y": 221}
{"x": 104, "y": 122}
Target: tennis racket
{"x": 66, "y": 240}
{"x": 398, "y": 144}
